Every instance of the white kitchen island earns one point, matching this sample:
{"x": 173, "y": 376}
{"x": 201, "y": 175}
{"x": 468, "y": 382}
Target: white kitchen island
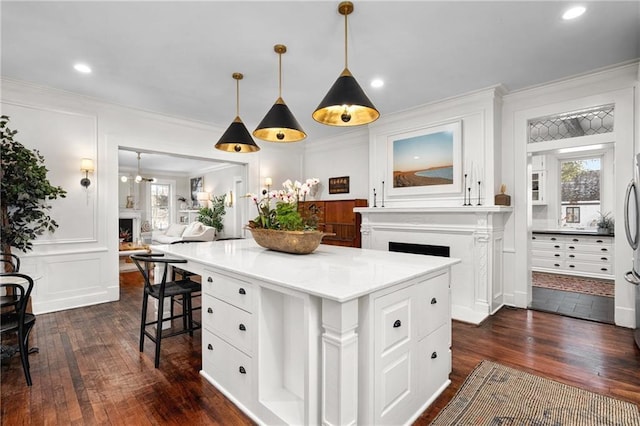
{"x": 338, "y": 337}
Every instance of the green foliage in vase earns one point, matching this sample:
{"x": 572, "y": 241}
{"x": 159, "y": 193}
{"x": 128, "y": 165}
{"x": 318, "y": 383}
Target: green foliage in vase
{"x": 285, "y": 216}
{"x": 213, "y": 216}
{"x": 288, "y": 217}
{"x": 25, "y": 194}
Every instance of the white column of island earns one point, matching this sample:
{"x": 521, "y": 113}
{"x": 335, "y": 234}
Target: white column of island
{"x": 342, "y": 336}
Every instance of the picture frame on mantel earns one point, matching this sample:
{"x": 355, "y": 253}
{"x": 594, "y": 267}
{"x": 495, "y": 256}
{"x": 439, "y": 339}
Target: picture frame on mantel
{"x": 425, "y": 161}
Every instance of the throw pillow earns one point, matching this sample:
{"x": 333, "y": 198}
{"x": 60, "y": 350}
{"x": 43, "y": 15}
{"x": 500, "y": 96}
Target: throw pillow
{"x": 175, "y": 230}
{"x": 195, "y": 228}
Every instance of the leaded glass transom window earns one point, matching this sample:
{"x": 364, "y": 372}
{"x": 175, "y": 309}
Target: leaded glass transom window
{"x": 592, "y": 121}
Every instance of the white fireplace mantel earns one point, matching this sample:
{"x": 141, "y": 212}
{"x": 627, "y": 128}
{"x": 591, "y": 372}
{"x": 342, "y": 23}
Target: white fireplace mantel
{"x": 474, "y": 234}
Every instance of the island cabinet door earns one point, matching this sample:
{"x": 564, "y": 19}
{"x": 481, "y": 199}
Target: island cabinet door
{"x": 394, "y": 371}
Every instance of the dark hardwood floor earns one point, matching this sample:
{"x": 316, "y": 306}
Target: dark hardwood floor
{"x": 89, "y": 370}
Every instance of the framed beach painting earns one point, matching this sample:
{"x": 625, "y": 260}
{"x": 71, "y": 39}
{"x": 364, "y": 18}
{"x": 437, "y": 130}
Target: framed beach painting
{"x": 425, "y": 161}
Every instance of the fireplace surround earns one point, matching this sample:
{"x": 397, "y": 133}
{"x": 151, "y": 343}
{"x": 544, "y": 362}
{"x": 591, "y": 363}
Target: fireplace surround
{"x": 473, "y": 234}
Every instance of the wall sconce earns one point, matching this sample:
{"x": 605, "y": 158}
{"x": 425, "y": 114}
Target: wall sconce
{"x": 228, "y": 200}
{"x": 87, "y": 167}
{"x": 203, "y": 199}
{"x": 268, "y": 182}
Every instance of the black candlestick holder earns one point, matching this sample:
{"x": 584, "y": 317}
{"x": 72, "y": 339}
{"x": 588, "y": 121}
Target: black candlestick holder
{"x": 479, "y": 203}
{"x": 382, "y": 205}
{"x": 374, "y": 197}
{"x": 464, "y": 193}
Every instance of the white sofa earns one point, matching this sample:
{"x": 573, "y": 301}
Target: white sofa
{"x": 195, "y": 231}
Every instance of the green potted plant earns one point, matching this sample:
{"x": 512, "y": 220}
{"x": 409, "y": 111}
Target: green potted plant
{"x": 25, "y": 193}
{"x": 213, "y": 216}
{"x": 605, "y": 223}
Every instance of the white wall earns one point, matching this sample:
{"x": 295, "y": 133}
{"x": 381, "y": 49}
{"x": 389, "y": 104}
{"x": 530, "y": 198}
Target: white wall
{"x": 615, "y": 85}
{"x": 343, "y": 155}
{"x": 78, "y": 265}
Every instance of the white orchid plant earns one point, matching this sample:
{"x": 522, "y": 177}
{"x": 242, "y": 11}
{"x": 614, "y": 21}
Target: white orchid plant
{"x": 285, "y": 215}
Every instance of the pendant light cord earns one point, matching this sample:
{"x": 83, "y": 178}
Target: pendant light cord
{"x": 346, "y": 65}
{"x": 280, "y": 75}
{"x": 237, "y": 98}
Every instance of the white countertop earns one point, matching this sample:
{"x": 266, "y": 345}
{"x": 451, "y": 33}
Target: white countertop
{"x": 337, "y": 273}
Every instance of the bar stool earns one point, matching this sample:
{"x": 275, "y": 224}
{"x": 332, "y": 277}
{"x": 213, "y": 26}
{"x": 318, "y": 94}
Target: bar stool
{"x": 183, "y": 287}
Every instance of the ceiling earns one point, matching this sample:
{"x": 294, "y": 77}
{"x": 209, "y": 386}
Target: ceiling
{"x": 177, "y": 57}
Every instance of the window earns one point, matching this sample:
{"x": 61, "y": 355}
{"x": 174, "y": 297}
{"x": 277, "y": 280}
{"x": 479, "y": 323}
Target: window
{"x": 580, "y": 191}
{"x": 160, "y": 205}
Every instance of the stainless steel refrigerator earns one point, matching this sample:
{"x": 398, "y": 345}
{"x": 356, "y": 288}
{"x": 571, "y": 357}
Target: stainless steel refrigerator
{"x": 632, "y": 231}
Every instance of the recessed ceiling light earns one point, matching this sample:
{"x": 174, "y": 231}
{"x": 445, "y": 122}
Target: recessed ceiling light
{"x": 377, "y": 82}
{"x": 83, "y": 68}
{"x": 573, "y": 13}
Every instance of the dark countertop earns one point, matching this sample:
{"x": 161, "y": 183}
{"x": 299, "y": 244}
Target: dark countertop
{"x": 566, "y": 231}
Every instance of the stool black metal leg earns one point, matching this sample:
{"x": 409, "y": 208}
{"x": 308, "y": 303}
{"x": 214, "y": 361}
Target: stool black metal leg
{"x": 159, "y": 330}
{"x": 143, "y": 320}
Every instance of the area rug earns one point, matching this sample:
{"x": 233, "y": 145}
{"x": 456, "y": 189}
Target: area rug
{"x": 573, "y": 284}
{"x": 497, "y": 395}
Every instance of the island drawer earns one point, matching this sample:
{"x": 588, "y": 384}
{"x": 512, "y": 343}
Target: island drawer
{"x": 392, "y": 315}
{"x": 234, "y": 324}
{"x": 433, "y": 304}
{"x": 229, "y": 367}
{"x": 232, "y": 290}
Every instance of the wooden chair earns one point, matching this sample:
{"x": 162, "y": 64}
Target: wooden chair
{"x": 14, "y": 317}
{"x": 183, "y": 288}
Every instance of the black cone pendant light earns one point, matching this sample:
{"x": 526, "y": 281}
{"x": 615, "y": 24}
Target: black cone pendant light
{"x": 346, "y": 104}
{"x": 237, "y": 138}
{"x": 279, "y": 125}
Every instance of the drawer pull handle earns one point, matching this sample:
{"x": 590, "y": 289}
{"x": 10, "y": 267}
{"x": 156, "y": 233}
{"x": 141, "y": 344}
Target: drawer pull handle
{"x": 242, "y": 370}
{"x": 575, "y": 240}
{"x": 241, "y": 291}
{"x": 556, "y": 264}
{"x": 556, "y": 255}
{"x": 572, "y": 266}
{"x": 604, "y": 249}
{"x": 572, "y": 256}
{"x": 210, "y": 347}
{"x": 533, "y": 238}
{"x": 599, "y": 241}
{"x": 572, "y": 247}
{"x": 553, "y": 238}
{"x": 209, "y": 310}
{"x": 209, "y": 280}
{"x": 241, "y": 327}
{"x": 434, "y": 355}
{"x": 603, "y": 269}
{"x": 397, "y": 324}
{"x": 556, "y": 246}
{"x": 434, "y": 301}
{"x": 604, "y": 258}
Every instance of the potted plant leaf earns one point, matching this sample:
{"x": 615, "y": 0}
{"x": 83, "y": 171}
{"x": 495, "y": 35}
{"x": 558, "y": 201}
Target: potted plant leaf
{"x": 605, "y": 223}
{"x": 25, "y": 194}
{"x": 213, "y": 216}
